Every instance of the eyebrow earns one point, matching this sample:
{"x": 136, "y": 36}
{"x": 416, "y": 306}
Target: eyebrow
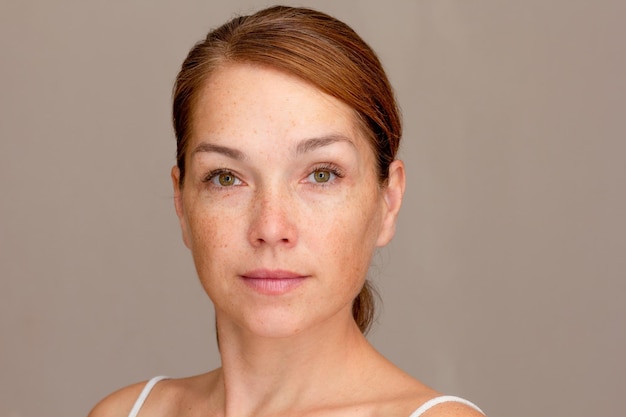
{"x": 224, "y": 150}
{"x": 312, "y": 144}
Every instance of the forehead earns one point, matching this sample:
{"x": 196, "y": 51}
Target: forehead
{"x": 241, "y": 100}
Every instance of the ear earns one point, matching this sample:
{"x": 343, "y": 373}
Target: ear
{"x": 392, "y": 200}
{"x": 178, "y": 204}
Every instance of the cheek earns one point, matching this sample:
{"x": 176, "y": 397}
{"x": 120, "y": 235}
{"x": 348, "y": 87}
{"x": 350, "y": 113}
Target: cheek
{"x": 212, "y": 222}
{"x": 213, "y": 237}
{"x": 348, "y": 232}
{"x": 207, "y": 233}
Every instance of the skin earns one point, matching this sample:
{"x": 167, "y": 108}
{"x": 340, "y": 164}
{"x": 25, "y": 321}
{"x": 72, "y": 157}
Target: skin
{"x": 280, "y": 178}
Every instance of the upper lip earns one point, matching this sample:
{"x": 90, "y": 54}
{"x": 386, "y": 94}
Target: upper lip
{"x": 271, "y": 274}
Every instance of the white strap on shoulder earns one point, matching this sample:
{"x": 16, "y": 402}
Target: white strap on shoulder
{"x": 443, "y": 399}
{"x": 144, "y": 394}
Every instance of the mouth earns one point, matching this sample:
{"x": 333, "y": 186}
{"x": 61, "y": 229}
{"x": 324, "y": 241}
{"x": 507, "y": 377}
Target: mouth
{"x": 273, "y": 282}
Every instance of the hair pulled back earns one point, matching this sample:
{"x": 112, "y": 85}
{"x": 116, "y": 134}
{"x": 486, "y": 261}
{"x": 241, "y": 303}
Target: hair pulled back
{"x": 314, "y": 47}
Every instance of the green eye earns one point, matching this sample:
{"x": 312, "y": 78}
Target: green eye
{"x": 226, "y": 179}
{"x": 321, "y": 175}
{"x": 222, "y": 178}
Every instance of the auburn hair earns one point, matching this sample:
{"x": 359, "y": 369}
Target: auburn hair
{"x": 314, "y": 47}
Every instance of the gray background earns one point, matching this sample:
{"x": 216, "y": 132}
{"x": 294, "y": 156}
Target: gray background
{"x": 505, "y": 282}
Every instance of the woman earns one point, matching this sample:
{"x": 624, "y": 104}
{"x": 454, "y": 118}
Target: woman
{"x": 286, "y": 181}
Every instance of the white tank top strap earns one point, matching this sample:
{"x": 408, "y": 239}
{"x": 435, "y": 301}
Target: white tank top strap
{"x": 144, "y": 394}
{"x": 443, "y": 399}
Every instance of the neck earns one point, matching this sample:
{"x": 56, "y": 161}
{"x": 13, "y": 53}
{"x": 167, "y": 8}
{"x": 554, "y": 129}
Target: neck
{"x": 267, "y": 375}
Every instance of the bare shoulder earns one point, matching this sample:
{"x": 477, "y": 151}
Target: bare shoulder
{"x": 409, "y": 395}
{"x": 452, "y": 409}
{"x": 165, "y": 398}
{"x": 119, "y": 403}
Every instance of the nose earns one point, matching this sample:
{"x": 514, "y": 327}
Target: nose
{"x": 273, "y": 220}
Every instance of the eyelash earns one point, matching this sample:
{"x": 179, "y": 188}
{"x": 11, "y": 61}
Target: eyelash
{"x": 330, "y": 167}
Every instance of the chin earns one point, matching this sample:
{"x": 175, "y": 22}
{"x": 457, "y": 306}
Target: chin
{"x": 274, "y": 322}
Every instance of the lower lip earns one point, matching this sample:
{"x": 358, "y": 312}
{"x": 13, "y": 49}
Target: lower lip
{"x": 273, "y": 286}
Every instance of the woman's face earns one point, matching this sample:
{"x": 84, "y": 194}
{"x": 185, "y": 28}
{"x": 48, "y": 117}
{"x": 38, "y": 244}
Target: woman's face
{"x": 280, "y": 204}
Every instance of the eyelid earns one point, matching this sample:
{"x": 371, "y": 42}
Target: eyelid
{"x": 330, "y": 166}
